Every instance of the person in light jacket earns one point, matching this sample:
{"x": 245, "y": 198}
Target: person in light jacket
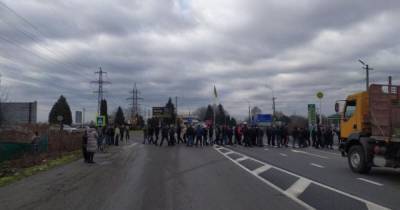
{"x": 91, "y": 146}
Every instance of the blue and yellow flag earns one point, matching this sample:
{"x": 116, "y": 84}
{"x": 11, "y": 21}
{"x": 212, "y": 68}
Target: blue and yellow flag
{"x": 215, "y": 92}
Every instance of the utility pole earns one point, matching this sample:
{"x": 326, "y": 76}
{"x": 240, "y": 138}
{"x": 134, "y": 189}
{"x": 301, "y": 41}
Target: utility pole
{"x": 367, "y": 69}
{"x": 83, "y": 116}
{"x": 176, "y": 109}
{"x": 100, "y": 90}
{"x": 273, "y": 107}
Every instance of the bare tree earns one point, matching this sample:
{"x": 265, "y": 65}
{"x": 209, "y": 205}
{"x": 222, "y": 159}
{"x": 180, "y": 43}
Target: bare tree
{"x": 255, "y": 111}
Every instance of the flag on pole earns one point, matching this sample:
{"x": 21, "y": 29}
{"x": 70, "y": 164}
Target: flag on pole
{"x": 215, "y": 92}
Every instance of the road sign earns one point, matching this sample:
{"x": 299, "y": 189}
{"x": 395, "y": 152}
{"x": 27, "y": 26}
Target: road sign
{"x": 263, "y": 119}
{"x": 161, "y": 112}
{"x": 312, "y": 115}
{"x": 320, "y": 95}
{"x": 100, "y": 121}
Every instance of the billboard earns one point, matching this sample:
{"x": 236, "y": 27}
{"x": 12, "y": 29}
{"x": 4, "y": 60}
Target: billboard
{"x": 263, "y": 119}
{"x": 160, "y": 112}
{"x": 78, "y": 117}
{"x": 312, "y": 116}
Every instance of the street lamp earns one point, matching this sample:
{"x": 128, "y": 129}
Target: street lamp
{"x": 367, "y": 69}
{"x": 273, "y": 100}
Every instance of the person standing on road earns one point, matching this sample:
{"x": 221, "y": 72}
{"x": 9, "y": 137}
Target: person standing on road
{"x": 260, "y": 138}
{"x": 164, "y": 135}
{"x": 117, "y": 135}
{"x": 314, "y": 137}
{"x": 91, "y": 144}
{"x": 229, "y": 133}
{"x": 190, "y": 135}
{"x": 127, "y": 136}
{"x": 144, "y": 134}
{"x": 237, "y": 136}
{"x": 211, "y": 134}
{"x": 295, "y": 136}
{"x": 205, "y": 134}
{"x": 179, "y": 134}
{"x": 171, "y": 136}
{"x": 156, "y": 133}
{"x": 199, "y": 135}
{"x": 246, "y": 136}
{"x": 84, "y": 146}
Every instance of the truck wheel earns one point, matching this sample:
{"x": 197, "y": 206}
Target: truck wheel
{"x": 358, "y": 160}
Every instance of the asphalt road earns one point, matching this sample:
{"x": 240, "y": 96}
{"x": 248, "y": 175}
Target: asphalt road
{"x": 137, "y": 176}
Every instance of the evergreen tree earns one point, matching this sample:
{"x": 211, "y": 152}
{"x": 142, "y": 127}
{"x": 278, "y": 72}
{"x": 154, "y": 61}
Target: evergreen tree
{"x": 103, "y": 110}
{"x": 209, "y": 113}
{"x": 170, "y": 109}
{"x": 60, "y": 108}
{"x": 119, "y": 117}
{"x": 220, "y": 115}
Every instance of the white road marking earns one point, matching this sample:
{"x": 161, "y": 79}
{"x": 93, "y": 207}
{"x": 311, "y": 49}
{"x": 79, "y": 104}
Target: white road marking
{"x": 316, "y": 165}
{"x": 266, "y": 149}
{"x": 298, "y": 187}
{"x": 325, "y": 152}
{"x": 370, "y": 205}
{"x": 241, "y": 159}
{"x": 307, "y": 153}
{"x": 261, "y": 169}
{"x": 230, "y": 152}
{"x": 371, "y": 182}
{"x": 295, "y": 199}
{"x": 283, "y": 154}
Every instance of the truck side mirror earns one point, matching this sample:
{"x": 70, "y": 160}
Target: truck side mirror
{"x": 337, "y": 107}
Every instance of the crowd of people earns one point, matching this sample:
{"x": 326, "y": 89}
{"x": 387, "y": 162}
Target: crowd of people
{"x": 248, "y": 136}
{"x": 202, "y": 135}
{"x": 96, "y": 139}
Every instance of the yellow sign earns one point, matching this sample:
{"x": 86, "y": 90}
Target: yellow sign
{"x": 320, "y": 95}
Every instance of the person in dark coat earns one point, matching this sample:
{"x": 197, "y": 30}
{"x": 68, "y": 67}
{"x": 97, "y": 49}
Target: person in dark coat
{"x": 156, "y": 133}
{"x": 205, "y": 134}
{"x": 84, "y": 147}
{"x": 229, "y": 133}
{"x": 210, "y": 135}
{"x": 246, "y": 136}
{"x": 179, "y": 134}
{"x": 190, "y": 135}
{"x": 164, "y": 134}
{"x": 199, "y": 136}
{"x": 172, "y": 136}
{"x": 260, "y": 137}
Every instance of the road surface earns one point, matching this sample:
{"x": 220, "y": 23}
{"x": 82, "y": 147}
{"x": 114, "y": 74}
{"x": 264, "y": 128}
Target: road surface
{"x": 137, "y": 176}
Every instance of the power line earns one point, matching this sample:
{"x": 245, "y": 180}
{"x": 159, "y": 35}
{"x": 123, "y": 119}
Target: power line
{"x": 100, "y": 90}
{"x": 36, "y": 36}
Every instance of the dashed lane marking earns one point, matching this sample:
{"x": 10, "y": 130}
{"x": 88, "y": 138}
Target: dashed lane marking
{"x": 371, "y": 182}
{"x": 317, "y": 165}
{"x": 310, "y": 154}
{"x": 297, "y": 188}
{"x": 266, "y": 149}
{"x": 283, "y": 154}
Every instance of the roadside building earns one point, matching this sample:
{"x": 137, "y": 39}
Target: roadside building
{"x": 18, "y": 112}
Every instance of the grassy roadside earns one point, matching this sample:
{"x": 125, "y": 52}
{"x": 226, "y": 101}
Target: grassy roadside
{"x": 49, "y": 164}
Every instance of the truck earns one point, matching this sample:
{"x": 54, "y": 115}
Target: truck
{"x": 370, "y": 128}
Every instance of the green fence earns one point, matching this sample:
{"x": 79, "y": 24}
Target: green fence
{"x": 9, "y": 150}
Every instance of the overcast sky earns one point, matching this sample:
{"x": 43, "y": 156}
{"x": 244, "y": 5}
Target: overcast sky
{"x": 183, "y": 47}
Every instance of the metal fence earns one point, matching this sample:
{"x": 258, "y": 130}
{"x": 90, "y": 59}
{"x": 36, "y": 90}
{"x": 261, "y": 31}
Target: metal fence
{"x": 10, "y": 150}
